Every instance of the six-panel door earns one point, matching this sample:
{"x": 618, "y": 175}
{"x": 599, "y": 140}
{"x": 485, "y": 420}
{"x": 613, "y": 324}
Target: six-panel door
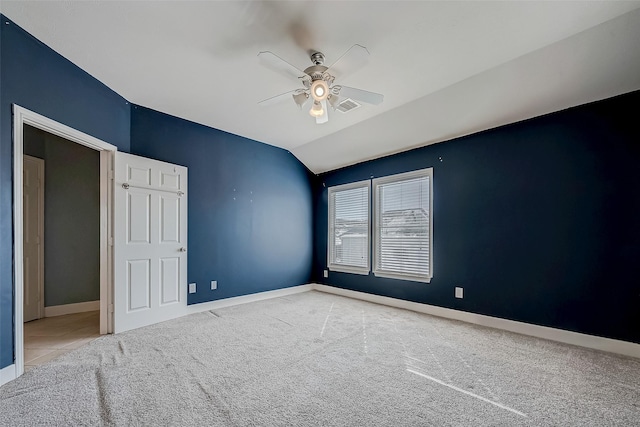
{"x": 150, "y": 258}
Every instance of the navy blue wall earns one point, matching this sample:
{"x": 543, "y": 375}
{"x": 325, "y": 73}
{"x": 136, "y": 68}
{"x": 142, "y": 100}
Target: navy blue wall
{"x": 250, "y": 206}
{"x": 37, "y": 78}
{"x": 538, "y": 221}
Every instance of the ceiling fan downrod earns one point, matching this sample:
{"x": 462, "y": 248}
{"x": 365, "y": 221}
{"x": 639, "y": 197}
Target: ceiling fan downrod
{"x": 317, "y": 58}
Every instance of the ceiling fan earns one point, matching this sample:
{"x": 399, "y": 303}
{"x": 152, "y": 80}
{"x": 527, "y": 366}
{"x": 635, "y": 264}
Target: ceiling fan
{"x": 318, "y": 81}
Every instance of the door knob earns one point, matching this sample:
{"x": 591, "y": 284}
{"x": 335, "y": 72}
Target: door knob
{"x": 182, "y": 250}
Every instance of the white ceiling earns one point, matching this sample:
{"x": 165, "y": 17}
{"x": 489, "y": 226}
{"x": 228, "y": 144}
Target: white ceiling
{"x": 446, "y": 68}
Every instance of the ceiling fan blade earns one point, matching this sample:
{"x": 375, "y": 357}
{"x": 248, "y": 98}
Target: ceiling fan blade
{"x": 350, "y": 61}
{"x": 274, "y": 62}
{"x": 277, "y": 98}
{"x": 324, "y": 118}
{"x": 361, "y": 95}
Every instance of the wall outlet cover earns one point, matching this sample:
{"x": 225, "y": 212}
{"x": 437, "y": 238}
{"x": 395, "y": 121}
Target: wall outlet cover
{"x": 459, "y": 292}
{"x": 326, "y": 274}
{"x": 192, "y": 288}
{"x": 214, "y": 285}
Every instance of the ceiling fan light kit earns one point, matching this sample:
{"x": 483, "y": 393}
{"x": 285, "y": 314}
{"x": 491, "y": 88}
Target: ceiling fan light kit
{"x": 318, "y": 81}
{"x": 300, "y": 98}
{"x": 319, "y": 90}
{"x": 316, "y": 110}
{"x": 334, "y": 101}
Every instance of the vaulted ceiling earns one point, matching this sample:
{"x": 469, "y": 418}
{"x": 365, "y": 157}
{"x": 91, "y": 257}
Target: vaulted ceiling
{"x": 446, "y": 69}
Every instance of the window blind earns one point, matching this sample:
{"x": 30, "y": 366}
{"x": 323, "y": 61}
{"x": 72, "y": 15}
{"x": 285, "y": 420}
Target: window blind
{"x": 349, "y": 227}
{"x": 402, "y": 226}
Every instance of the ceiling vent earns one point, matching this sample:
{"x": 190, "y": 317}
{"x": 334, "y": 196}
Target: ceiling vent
{"x": 347, "y": 105}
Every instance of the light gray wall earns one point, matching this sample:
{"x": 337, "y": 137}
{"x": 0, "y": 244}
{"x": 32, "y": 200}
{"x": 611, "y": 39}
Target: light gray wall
{"x": 72, "y": 218}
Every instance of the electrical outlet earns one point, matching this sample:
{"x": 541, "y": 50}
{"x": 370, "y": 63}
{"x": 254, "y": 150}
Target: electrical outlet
{"x": 192, "y": 288}
{"x": 326, "y": 274}
{"x": 459, "y": 292}
{"x": 214, "y": 285}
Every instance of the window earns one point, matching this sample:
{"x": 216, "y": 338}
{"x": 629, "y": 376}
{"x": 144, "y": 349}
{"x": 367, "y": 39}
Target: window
{"x": 402, "y": 226}
{"x": 349, "y": 227}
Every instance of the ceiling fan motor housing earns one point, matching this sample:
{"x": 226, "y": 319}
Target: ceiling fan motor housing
{"x": 318, "y": 71}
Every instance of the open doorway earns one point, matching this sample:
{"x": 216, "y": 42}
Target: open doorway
{"x": 23, "y": 119}
{"x": 61, "y": 242}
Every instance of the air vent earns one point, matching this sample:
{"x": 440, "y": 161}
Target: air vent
{"x": 347, "y": 105}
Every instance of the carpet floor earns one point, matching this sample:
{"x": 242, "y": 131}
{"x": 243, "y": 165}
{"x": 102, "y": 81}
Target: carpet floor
{"x": 315, "y": 359}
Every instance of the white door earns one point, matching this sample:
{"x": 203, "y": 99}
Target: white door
{"x": 33, "y": 237}
{"x": 150, "y": 233}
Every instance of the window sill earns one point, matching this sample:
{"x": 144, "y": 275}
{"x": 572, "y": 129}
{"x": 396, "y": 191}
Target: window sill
{"x": 389, "y": 275}
{"x": 347, "y": 269}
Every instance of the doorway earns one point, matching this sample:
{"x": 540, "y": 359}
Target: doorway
{"x": 22, "y": 118}
{"x": 61, "y": 245}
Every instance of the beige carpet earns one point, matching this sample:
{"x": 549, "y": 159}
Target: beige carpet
{"x": 316, "y": 359}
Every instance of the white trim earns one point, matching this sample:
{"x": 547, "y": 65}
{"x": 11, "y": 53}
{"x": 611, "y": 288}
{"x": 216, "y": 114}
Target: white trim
{"x": 421, "y": 173}
{"x": 574, "y": 338}
{"x": 106, "y": 236}
{"x": 400, "y": 276}
{"x": 348, "y": 269}
{"x": 344, "y": 268}
{"x": 78, "y": 307}
{"x": 244, "y": 299}
{"x": 18, "y": 250}
{"x": 21, "y": 117}
{"x": 7, "y": 374}
{"x": 27, "y": 117}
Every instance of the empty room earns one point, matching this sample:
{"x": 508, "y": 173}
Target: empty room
{"x": 310, "y": 213}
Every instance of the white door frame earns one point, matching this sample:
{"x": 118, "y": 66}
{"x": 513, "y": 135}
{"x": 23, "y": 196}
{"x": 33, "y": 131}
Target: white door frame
{"x": 40, "y": 225}
{"x": 21, "y": 117}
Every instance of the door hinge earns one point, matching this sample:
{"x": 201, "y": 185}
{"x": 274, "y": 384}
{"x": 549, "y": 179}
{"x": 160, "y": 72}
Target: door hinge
{"x": 111, "y": 175}
{"x": 110, "y": 308}
{"x": 110, "y": 241}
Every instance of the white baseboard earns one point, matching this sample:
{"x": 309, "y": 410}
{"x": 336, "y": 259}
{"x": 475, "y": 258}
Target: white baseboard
{"x": 79, "y": 307}
{"x": 244, "y": 299}
{"x": 7, "y": 374}
{"x": 568, "y": 337}
{"x": 583, "y": 340}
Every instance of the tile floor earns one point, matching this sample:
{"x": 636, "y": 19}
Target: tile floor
{"x": 47, "y": 338}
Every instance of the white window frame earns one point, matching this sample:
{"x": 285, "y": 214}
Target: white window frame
{"x": 428, "y": 172}
{"x": 331, "y": 233}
